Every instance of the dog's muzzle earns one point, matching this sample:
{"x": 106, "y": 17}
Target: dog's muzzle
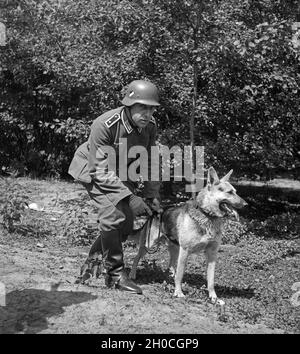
{"x": 229, "y": 211}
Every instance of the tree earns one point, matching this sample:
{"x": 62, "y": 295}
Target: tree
{"x": 227, "y": 70}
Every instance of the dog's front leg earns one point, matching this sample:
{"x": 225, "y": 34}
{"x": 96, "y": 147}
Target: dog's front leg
{"x": 142, "y": 251}
{"x": 211, "y": 257}
{"x": 181, "y": 263}
{"x": 173, "y": 253}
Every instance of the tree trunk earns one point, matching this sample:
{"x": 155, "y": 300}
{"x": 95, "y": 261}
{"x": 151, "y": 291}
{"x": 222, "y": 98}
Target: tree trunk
{"x": 192, "y": 127}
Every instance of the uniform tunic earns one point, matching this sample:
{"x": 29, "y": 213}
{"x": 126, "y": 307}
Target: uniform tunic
{"x": 91, "y": 163}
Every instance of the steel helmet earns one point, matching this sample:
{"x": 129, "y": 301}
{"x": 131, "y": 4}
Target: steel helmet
{"x": 140, "y": 91}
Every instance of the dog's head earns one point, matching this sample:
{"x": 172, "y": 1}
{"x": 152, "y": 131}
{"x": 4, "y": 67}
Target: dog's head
{"x": 219, "y": 197}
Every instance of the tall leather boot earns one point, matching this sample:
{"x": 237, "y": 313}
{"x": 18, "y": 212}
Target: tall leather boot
{"x": 114, "y": 264}
{"x": 96, "y": 247}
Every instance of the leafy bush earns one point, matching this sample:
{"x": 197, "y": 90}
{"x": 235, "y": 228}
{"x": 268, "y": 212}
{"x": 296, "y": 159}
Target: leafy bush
{"x": 232, "y": 65}
{"x": 12, "y": 204}
{"x": 78, "y": 227}
{"x": 77, "y": 224}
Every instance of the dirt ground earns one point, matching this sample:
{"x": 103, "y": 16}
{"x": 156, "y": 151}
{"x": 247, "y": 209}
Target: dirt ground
{"x": 42, "y": 297}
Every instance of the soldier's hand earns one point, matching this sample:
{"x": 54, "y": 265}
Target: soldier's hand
{"x": 154, "y": 204}
{"x": 138, "y": 206}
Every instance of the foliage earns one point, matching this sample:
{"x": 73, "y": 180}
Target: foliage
{"x": 232, "y": 66}
{"x": 285, "y": 225}
{"x": 12, "y": 204}
{"x": 76, "y": 225}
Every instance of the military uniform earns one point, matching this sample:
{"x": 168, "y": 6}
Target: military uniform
{"x": 112, "y": 190}
{"x": 90, "y": 165}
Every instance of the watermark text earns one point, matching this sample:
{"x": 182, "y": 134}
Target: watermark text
{"x": 159, "y": 163}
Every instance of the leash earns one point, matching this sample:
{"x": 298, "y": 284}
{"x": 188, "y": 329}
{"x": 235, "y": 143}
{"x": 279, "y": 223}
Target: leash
{"x": 170, "y": 238}
{"x": 153, "y": 249}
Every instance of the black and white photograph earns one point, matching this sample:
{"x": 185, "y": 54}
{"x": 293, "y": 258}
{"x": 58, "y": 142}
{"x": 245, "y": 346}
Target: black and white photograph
{"x": 149, "y": 170}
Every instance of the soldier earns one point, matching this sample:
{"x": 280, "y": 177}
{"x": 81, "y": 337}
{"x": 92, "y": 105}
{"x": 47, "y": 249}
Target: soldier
{"x": 114, "y": 197}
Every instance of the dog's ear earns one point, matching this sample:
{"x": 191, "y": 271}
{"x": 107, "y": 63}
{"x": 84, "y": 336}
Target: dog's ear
{"x": 226, "y": 178}
{"x": 212, "y": 177}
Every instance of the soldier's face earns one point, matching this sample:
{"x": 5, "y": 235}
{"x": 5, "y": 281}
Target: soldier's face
{"x": 141, "y": 114}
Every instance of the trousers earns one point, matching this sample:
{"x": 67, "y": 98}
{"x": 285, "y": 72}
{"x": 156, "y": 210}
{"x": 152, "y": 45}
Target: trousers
{"x": 111, "y": 217}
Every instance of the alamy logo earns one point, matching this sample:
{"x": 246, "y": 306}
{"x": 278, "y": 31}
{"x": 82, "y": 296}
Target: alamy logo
{"x": 160, "y": 163}
{"x": 2, "y": 295}
{"x": 2, "y": 34}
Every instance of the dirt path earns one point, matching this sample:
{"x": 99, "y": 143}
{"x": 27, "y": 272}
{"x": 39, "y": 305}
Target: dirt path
{"x": 41, "y": 297}
{"x": 39, "y": 274}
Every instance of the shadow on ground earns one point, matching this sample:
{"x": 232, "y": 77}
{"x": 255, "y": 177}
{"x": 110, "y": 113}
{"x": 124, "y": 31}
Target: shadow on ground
{"x": 26, "y": 311}
{"x": 198, "y": 283}
{"x": 195, "y": 282}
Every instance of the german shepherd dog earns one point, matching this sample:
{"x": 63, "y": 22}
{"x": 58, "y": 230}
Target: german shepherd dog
{"x": 191, "y": 228}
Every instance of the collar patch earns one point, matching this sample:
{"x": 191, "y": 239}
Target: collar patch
{"x": 126, "y": 123}
{"x": 112, "y": 120}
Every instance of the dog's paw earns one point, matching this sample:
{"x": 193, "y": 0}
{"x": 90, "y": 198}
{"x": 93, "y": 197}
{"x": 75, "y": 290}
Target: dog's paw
{"x": 213, "y": 299}
{"x": 178, "y": 293}
{"x": 220, "y": 302}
